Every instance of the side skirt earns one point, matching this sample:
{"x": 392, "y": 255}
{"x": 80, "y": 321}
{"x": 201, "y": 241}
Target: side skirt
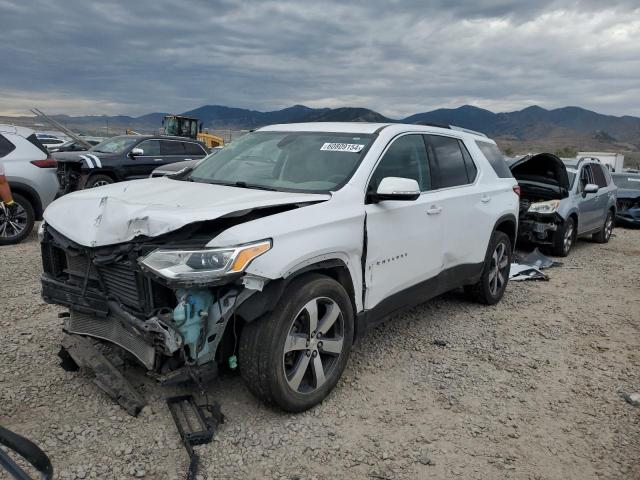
{"x": 454, "y": 277}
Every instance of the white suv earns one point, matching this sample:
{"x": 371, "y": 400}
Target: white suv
{"x": 282, "y": 249}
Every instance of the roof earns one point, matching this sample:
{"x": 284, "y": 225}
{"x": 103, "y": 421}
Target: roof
{"x": 22, "y": 131}
{"x": 366, "y": 127}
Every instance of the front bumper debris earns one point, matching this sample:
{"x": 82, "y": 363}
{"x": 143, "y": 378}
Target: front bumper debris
{"x": 538, "y": 229}
{"x": 107, "y": 377}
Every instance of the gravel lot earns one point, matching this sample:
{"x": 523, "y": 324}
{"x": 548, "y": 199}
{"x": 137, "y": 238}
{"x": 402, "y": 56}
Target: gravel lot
{"x": 530, "y": 388}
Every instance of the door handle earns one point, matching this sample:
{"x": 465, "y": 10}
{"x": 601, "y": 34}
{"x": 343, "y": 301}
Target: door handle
{"x": 434, "y": 210}
{"x": 485, "y": 199}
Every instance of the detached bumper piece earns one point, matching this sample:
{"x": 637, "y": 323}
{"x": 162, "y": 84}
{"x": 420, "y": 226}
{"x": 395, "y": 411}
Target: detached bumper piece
{"x": 194, "y": 426}
{"x": 107, "y": 376}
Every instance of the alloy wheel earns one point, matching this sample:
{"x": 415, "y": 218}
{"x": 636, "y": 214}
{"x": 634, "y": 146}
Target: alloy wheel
{"x": 608, "y": 227}
{"x": 12, "y": 225}
{"x": 498, "y": 269}
{"x": 313, "y": 345}
{"x": 100, "y": 183}
{"x": 568, "y": 238}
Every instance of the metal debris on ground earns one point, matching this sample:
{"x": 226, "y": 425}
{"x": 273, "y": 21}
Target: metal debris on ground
{"x": 195, "y": 427}
{"x": 519, "y": 272}
{"x": 538, "y": 259}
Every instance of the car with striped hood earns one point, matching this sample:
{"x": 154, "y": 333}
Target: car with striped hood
{"x": 124, "y": 157}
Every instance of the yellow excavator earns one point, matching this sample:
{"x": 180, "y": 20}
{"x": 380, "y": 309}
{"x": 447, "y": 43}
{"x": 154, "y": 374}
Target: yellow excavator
{"x": 181, "y": 126}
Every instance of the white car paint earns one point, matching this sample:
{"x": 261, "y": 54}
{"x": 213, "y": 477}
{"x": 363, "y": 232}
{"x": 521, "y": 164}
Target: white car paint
{"x": 407, "y": 241}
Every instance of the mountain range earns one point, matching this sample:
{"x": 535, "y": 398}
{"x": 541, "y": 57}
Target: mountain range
{"x": 532, "y": 124}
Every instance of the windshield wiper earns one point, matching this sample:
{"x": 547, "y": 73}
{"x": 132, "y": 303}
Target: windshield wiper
{"x": 253, "y": 186}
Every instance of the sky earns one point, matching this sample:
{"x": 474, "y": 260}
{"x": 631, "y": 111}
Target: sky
{"x": 397, "y": 57}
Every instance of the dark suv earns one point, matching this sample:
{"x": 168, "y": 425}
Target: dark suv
{"x": 125, "y": 157}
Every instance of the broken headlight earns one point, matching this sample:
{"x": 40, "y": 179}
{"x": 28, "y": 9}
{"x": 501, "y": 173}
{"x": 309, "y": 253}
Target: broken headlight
{"x": 203, "y": 265}
{"x": 544, "y": 207}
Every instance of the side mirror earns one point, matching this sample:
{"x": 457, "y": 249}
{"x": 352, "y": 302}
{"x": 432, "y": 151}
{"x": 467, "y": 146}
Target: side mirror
{"x": 591, "y": 188}
{"x": 136, "y": 152}
{"x": 397, "y": 188}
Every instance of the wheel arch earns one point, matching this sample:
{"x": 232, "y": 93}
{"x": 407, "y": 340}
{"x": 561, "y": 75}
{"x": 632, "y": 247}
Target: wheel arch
{"x": 31, "y": 195}
{"x": 262, "y": 303}
{"x": 508, "y": 224}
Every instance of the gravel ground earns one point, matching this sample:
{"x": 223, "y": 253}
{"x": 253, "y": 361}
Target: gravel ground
{"x": 530, "y": 388}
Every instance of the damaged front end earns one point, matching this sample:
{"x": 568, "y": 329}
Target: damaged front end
{"x": 70, "y": 176}
{"x": 628, "y": 211}
{"x": 544, "y": 183}
{"x": 167, "y": 307}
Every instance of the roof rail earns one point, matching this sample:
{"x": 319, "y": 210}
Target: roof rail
{"x": 451, "y": 127}
{"x": 582, "y": 159}
{"x": 467, "y": 130}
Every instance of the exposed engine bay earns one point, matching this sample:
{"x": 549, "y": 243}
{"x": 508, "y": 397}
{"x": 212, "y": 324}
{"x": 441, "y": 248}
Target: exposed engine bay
{"x": 543, "y": 184}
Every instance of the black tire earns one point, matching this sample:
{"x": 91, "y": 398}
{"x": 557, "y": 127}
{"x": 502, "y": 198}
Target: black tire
{"x": 19, "y": 227}
{"x": 604, "y": 235}
{"x": 98, "y": 180}
{"x": 564, "y": 238}
{"x": 264, "y": 362}
{"x": 489, "y": 290}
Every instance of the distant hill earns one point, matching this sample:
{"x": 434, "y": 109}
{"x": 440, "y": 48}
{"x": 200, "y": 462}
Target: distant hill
{"x": 571, "y": 126}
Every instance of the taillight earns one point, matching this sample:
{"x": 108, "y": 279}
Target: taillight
{"x": 516, "y": 189}
{"x": 46, "y": 163}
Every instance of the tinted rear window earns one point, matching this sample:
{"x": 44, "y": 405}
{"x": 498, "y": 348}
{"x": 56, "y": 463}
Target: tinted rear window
{"x": 6, "y": 147}
{"x": 496, "y": 159}
{"x": 450, "y": 169}
{"x": 194, "y": 149}
{"x": 169, "y": 147}
{"x": 34, "y": 140}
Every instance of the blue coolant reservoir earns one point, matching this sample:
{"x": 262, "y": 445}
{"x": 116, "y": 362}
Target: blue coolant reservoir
{"x": 190, "y": 319}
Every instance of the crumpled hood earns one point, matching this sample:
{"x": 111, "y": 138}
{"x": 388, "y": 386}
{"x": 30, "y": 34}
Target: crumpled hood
{"x": 628, "y": 193}
{"x": 541, "y": 167}
{"x": 120, "y": 212}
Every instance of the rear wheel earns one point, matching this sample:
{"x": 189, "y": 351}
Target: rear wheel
{"x": 16, "y": 225}
{"x": 294, "y": 357}
{"x": 495, "y": 274}
{"x": 564, "y": 238}
{"x": 98, "y": 180}
{"x": 604, "y": 235}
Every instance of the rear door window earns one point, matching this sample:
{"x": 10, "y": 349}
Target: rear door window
{"x": 472, "y": 170}
{"x": 6, "y": 147}
{"x": 496, "y": 159}
{"x": 448, "y": 165}
{"x": 168, "y": 147}
{"x": 194, "y": 149}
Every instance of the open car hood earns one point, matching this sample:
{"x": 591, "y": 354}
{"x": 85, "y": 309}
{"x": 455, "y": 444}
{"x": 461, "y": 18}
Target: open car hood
{"x": 120, "y": 212}
{"x": 541, "y": 168}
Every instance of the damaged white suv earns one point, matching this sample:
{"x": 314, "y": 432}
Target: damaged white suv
{"x": 281, "y": 250}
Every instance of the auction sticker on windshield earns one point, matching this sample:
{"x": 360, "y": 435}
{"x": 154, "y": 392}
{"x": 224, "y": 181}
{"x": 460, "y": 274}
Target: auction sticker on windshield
{"x": 342, "y": 147}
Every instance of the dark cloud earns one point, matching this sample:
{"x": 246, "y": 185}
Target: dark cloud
{"x": 398, "y": 57}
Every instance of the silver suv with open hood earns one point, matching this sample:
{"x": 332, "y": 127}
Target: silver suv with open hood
{"x": 560, "y": 202}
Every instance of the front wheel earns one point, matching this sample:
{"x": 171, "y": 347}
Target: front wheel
{"x": 98, "y": 180}
{"x": 295, "y": 356}
{"x": 495, "y": 274}
{"x": 564, "y": 238}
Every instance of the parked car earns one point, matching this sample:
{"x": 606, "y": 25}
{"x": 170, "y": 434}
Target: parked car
{"x": 282, "y": 249}
{"x": 173, "y": 168}
{"x": 75, "y": 146}
{"x": 561, "y": 201}
{"x": 32, "y": 178}
{"x": 628, "y": 205}
{"x": 124, "y": 157}
{"x": 50, "y": 141}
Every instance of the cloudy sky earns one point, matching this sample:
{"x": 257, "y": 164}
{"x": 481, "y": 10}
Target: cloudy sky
{"x": 397, "y": 57}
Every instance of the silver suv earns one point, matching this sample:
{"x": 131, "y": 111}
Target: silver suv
{"x": 563, "y": 200}
{"x": 31, "y": 173}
